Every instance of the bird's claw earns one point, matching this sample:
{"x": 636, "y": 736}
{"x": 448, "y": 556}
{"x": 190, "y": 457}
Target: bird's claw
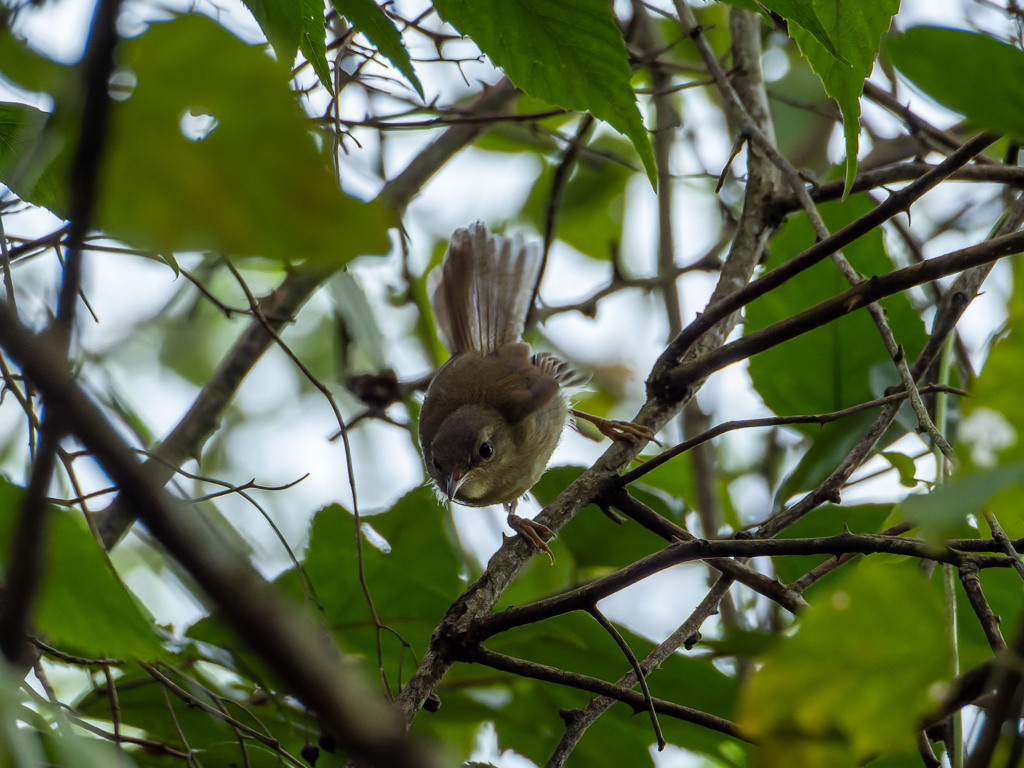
{"x": 532, "y": 531}
{"x": 619, "y": 430}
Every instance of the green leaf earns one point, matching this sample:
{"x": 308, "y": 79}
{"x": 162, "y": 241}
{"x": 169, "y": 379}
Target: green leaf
{"x": 995, "y": 420}
{"x": 312, "y": 40}
{"x": 24, "y": 166}
{"x": 887, "y": 626}
{"x": 254, "y": 184}
{"x": 412, "y": 585}
{"x": 30, "y": 70}
{"x": 802, "y": 13}
{"x": 83, "y": 607}
{"x": 857, "y": 29}
{"x": 576, "y": 642}
{"x": 975, "y": 87}
{"x": 904, "y": 465}
{"x": 828, "y": 368}
{"x": 142, "y": 704}
{"x": 568, "y": 53}
{"x": 592, "y": 205}
{"x": 281, "y": 22}
{"x": 828, "y": 520}
{"x": 370, "y": 19}
{"x": 946, "y": 508}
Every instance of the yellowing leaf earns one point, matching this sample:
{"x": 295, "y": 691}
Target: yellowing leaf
{"x": 211, "y": 152}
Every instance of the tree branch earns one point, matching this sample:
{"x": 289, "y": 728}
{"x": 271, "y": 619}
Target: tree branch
{"x": 688, "y": 551}
{"x": 292, "y": 646}
{"x": 480, "y": 655}
{"x": 898, "y": 202}
{"x": 682, "y": 378}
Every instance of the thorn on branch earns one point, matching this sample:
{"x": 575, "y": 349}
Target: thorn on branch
{"x": 570, "y": 716}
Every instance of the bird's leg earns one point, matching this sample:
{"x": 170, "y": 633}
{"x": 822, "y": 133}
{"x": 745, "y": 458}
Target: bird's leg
{"x": 618, "y": 430}
{"x": 530, "y": 530}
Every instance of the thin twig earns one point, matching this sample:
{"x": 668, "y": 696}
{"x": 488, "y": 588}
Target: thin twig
{"x": 640, "y": 675}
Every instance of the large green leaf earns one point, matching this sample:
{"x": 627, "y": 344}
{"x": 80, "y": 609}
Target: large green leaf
{"x": 30, "y": 69}
{"x": 976, "y": 85}
{"x": 576, "y": 642}
{"x": 32, "y": 142}
{"x": 828, "y": 520}
{"x": 293, "y": 24}
{"x": 412, "y": 585}
{"x": 569, "y": 53}
{"x": 142, "y": 704}
{"x": 252, "y": 184}
{"x": 831, "y": 367}
{"x": 858, "y": 675}
{"x": 83, "y": 607}
{"x": 856, "y": 29}
{"x": 281, "y": 22}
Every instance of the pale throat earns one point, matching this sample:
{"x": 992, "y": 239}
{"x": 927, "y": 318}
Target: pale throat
{"x": 473, "y": 488}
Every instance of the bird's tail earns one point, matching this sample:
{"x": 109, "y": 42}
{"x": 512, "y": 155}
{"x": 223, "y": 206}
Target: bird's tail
{"x": 484, "y": 289}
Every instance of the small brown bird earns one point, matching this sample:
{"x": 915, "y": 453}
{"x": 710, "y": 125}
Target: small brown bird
{"x": 495, "y": 411}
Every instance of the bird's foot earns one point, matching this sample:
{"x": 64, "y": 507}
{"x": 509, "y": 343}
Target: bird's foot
{"x": 618, "y": 430}
{"x": 532, "y": 531}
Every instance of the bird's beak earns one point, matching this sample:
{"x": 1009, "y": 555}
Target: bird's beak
{"x": 452, "y": 484}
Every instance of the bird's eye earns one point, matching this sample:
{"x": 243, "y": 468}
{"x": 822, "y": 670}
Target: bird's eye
{"x": 486, "y": 451}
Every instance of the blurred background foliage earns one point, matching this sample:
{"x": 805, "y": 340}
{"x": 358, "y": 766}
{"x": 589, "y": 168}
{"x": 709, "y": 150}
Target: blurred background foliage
{"x": 251, "y": 145}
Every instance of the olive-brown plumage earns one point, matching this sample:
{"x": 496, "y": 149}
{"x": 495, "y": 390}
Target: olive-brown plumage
{"x": 494, "y": 412}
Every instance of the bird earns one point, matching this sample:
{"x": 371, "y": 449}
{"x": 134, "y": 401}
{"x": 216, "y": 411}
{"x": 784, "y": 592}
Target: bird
{"x": 495, "y": 411}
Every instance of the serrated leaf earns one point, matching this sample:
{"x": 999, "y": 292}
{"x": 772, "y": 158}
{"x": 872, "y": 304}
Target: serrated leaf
{"x": 887, "y": 625}
{"x": 802, "y": 13}
{"x": 252, "y": 184}
{"x": 570, "y": 53}
{"x": 412, "y": 585}
{"x": 370, "y": 19}
{"x": 975, "y": 87}
{"x": 312, "y": 40}
{"x": 857, "y": 30}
